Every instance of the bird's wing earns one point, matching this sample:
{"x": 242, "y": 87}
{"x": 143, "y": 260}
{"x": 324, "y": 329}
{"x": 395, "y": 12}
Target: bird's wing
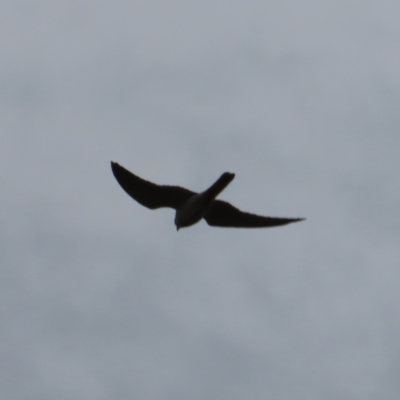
{"x": 224, "y": 214}
{"x": 149, "y": 194}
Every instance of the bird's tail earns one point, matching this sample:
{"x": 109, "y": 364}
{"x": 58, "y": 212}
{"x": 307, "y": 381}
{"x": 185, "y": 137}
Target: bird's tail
{"x": 224, "y": 180}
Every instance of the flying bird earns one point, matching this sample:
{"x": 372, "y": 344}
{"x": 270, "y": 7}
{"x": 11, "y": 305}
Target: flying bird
{"x": 191, "y": 207}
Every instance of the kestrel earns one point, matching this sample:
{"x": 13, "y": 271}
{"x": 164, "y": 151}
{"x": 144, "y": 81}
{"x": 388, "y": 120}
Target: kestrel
{"x": 191, "y": 207}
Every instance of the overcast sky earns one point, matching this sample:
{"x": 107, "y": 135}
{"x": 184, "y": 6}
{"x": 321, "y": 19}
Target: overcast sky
{"x": 101, "y": 298}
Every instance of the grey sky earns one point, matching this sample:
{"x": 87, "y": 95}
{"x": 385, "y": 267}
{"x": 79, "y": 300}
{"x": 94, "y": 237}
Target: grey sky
{"x": 102, "y": 298}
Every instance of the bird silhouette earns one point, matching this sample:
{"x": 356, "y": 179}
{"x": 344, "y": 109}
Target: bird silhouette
{"x": 191, "y": 207}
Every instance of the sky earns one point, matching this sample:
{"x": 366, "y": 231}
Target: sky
{"x": 101, "y": 298}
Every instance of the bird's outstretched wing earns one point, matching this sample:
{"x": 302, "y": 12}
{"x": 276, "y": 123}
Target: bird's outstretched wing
{"x": 224, "y": 214}
{"x": 149, "y": 194}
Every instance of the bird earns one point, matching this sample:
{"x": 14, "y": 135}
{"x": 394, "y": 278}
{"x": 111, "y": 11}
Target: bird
{"x": 190, "y": 206}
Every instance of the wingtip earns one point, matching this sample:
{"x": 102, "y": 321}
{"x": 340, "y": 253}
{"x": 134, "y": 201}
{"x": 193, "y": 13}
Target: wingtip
{"x": 115, "y": 168}
{"x": 114, "y": 165}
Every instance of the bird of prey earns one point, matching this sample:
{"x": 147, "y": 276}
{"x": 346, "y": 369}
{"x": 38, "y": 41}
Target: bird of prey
{"x": 191, "y": 207}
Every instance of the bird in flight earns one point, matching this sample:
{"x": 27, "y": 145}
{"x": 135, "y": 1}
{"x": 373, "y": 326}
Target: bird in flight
{"x": 191, "y": 207}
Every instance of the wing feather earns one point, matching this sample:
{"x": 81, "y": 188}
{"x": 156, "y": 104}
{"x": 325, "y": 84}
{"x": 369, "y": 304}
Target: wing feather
{"x": 225, "y": 214}
{"x": 149, "y": 194}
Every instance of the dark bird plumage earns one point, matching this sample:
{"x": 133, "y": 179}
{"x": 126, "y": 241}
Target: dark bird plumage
{"x": 191, "y": 207}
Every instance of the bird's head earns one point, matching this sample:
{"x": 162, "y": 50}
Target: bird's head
{"x": 177, "y": 224}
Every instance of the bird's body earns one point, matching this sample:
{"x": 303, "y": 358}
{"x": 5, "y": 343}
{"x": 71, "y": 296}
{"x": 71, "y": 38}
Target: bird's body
{"x": 191, "y": 207}
{"x": 192, "y": 211}
{"x": 197, "y": 206}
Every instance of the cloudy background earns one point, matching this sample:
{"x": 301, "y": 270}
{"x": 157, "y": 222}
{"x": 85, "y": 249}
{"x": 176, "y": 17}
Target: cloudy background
{"x": 101, "y": 298}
